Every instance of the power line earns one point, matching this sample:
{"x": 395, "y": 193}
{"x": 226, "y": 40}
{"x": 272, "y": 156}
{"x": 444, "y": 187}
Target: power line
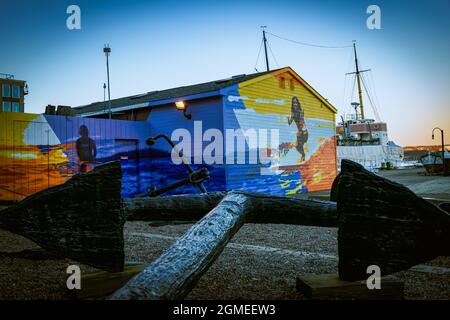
{"x": 374, "y": 108}
{"x": 273, "y": 56}
{"x": 372, "y": 81}
{"x": 346, "y": 82}
{"x": 353, "y": 88}
{"x": 308, "y": 44}
{"x": 259, "y": 53}
{"x": 345, "y": 90}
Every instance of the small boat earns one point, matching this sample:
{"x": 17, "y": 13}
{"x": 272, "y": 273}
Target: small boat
{"x": 433, "y": 162}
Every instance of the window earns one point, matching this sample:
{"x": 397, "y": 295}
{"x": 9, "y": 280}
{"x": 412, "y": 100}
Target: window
{"x": 6, "y": 90}
{"x": 282, "y": 83}
{"x": 16, "y": 92}
{"x": 6, "y": 106}
{"x": 16, "y": 107}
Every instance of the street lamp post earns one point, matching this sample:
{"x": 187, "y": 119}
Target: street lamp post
{"x": 443, "y": 149}
{"x": 104, "y": 97}
{"x": 107, "y": 51}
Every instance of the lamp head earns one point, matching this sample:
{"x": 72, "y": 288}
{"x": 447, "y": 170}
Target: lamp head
{"x": 107, "y": 50}
{"x": 181, "y": 105}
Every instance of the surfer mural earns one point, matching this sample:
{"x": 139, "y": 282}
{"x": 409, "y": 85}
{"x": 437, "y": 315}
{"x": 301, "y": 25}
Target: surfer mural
{"x": 298, "y": 116}
{"x": 305, "y": 157}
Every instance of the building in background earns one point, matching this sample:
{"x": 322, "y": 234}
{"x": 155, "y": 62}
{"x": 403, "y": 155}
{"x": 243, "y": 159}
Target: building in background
{"x": 12, "y": 94}
{"x": 38, "y": 151}
{"x": 304, "y": 159}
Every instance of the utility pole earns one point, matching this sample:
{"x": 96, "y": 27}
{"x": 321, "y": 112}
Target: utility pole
{"x": 265, "y": 47}
{"x": 104, "y": 97}
{"x": 107, "y": 51}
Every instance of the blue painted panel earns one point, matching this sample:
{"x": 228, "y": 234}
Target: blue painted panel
{"x": 109, "y": 140}
{"x": 165, "y": 120}
{"x": 248, "y": 176}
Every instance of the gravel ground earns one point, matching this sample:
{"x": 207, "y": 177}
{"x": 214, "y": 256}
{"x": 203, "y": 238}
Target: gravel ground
{"x": 261, "y": 262}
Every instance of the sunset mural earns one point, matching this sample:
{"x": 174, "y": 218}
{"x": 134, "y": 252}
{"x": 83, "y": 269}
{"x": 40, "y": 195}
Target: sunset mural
{"x": 40, "y": 151}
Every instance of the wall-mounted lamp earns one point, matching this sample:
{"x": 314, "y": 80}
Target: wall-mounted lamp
{"x": 181, "y": 105}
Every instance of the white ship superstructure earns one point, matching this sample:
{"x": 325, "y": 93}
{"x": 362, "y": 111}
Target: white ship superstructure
{"x": 364, "y": 140}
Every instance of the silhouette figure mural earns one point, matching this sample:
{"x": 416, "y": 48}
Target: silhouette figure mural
{"x": 86, "y": 149}
{"x": 298, "y": 116}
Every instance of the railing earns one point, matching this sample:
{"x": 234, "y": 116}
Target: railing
{"x": 358, "y": 142}
{"x": 6, "y": 76}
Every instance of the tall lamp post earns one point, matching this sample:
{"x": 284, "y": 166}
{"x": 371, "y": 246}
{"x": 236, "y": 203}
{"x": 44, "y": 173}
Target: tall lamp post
{"x": 107, "y": 51}
{"x": 443, "y": 150}
{"x": 104, "y": 97}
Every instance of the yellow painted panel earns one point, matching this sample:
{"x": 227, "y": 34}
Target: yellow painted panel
{"x": 267, "y": 96}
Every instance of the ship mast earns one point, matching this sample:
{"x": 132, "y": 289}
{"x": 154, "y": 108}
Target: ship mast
{"x": 358, "y": 80}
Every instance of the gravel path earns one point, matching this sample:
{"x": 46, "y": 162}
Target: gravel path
{"x": 261, "y": 262}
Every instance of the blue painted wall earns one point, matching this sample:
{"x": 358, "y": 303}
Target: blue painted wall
{"x": 165, "y": 119}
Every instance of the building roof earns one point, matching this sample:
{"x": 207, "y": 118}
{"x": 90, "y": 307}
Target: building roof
{"x": 297, "y": 77}
{"x": 193, "y": 91}
{"x": 173, "y": 93}
{"x": 4, "y": 77}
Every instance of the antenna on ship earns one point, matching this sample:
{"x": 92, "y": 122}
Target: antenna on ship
{"x": 355, "y": 106}
{"x": 358, "y": 80}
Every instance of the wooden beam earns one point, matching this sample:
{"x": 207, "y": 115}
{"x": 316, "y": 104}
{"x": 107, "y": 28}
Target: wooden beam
{"x": 80, "y": 219}
{"x": 103, "y": 283}
{"x": 329, "y": 286}
{"x": 178, "y": 269}
{"x": 290, "y": 210}
{"x": 262, "y": 208}
{"x": 187, "y": 207}
{"x": 267, "y": 209}
{"x": 384, "y": 223}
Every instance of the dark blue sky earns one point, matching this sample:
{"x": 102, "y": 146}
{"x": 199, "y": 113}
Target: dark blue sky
{"x": 163, "y": 44}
